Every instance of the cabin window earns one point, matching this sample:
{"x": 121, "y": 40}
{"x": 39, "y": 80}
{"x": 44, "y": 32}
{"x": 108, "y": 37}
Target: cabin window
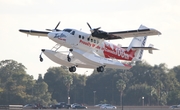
{"x": 91, "y": 40}
{"x": 79, "y": 36}
{"x": 88, "y": 39}
{"x": 94, "y": 40}
{"x": 82, "y": 37}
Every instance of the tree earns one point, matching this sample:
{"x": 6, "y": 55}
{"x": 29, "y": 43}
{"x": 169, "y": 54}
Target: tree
{"x": 176, "y": 70}
{"x": 41, "y": 94}
{"x": 40, "y": 78}
{"x": 135, "y": 93}
{"x": 157, "y": 84}
{"x": 68, "y": 80}
{"x": 121, "y": 85}
{"x": 54, "y": 78}
{"x": 13, "y": 82}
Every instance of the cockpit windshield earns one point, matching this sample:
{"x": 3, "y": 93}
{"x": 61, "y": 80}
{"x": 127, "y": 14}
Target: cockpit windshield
{"x": 69, "y": 31}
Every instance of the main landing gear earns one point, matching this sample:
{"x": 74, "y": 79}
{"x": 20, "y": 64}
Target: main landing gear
{"x": 68, "y": 56}
{"x": 72, "y": 69}
{"x": 100, "y": 69}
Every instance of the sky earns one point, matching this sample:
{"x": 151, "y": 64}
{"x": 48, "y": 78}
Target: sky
{"x": 110, "y": 15}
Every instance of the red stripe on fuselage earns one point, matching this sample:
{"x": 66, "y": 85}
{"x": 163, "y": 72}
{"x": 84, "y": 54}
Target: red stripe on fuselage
{"x": 113, "y": 51}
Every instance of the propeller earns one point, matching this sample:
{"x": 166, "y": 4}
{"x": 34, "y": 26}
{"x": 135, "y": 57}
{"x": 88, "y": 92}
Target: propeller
{"x": 55, "y": 29}
{"x": 97, "y": 33}
{"x": 93, "y": 30}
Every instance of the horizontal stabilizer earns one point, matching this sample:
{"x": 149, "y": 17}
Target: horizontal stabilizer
{"x": 150, "y": 49}
{"x": 144, "y": 48}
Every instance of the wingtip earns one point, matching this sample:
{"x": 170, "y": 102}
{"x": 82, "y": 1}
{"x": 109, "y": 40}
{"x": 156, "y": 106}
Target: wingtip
{"x": 155, "y": 49}
{"x": 160, "y": 33}
{"x": 22, "y": 30}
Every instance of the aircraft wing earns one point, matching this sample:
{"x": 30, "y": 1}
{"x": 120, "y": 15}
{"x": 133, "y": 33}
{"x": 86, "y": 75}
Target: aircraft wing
{"x": 132, "y": 33}
{"x": 35, "y": 33}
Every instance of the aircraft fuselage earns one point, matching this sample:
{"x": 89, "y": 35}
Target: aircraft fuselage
{"x": 72, "y": 38}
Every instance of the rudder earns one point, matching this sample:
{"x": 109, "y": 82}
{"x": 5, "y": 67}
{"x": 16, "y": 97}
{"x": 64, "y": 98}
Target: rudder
{"x": 138, "y": 42}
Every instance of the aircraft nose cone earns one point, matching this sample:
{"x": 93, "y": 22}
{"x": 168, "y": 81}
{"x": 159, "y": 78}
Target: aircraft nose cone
{"x": 51, "y": 35}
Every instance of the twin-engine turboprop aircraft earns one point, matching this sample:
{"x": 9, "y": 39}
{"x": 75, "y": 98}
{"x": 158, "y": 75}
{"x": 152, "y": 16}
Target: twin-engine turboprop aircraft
{"x": 92, "y": 50}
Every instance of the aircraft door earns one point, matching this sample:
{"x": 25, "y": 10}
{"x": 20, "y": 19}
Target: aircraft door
{"x": 72, "y": 39}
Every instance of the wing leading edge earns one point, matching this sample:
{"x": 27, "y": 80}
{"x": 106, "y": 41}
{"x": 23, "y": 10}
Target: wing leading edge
{"x": 34, "y": 32}
{"x": 133, "y": 33}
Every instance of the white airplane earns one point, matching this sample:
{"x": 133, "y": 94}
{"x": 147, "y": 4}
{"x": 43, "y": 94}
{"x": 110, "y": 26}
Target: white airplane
{"x": 92, "y": 50}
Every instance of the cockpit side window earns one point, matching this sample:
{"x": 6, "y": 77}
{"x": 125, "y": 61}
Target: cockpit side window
{"x": 69, "y": 31}
{"x": 72, "y": 32}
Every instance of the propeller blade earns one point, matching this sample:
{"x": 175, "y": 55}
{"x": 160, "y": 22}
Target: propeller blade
{"x": 57, "y": 25}
{"x": 55, "y": 29}
{"x": 92, "y": 30}
{"x": 89, "y": 25}
{"x": 98, "y": 28}
{"x": 49, "y": 30}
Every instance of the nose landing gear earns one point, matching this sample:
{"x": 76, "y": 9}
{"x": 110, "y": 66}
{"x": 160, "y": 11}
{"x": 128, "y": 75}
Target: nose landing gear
{"x": 40, "y": 57}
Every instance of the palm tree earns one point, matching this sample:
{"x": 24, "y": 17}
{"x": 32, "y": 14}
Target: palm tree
{"x": 68, "y": 80}
{"x": 121, "y": 85}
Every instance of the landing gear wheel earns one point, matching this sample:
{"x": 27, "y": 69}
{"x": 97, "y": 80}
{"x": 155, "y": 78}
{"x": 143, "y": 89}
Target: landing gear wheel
{"x": 68, "y": 58}
{"x": 100, "y": 69}
{"x": 97, "y": 69}
{"x": 72, "y": 69}
{"x": 41, "y": 59}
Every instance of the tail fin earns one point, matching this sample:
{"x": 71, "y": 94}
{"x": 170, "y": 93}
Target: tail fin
{"x": 138, "y": 42}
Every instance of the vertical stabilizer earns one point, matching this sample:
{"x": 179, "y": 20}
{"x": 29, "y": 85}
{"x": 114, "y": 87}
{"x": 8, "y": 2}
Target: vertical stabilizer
{"x": 138, "y": 42}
